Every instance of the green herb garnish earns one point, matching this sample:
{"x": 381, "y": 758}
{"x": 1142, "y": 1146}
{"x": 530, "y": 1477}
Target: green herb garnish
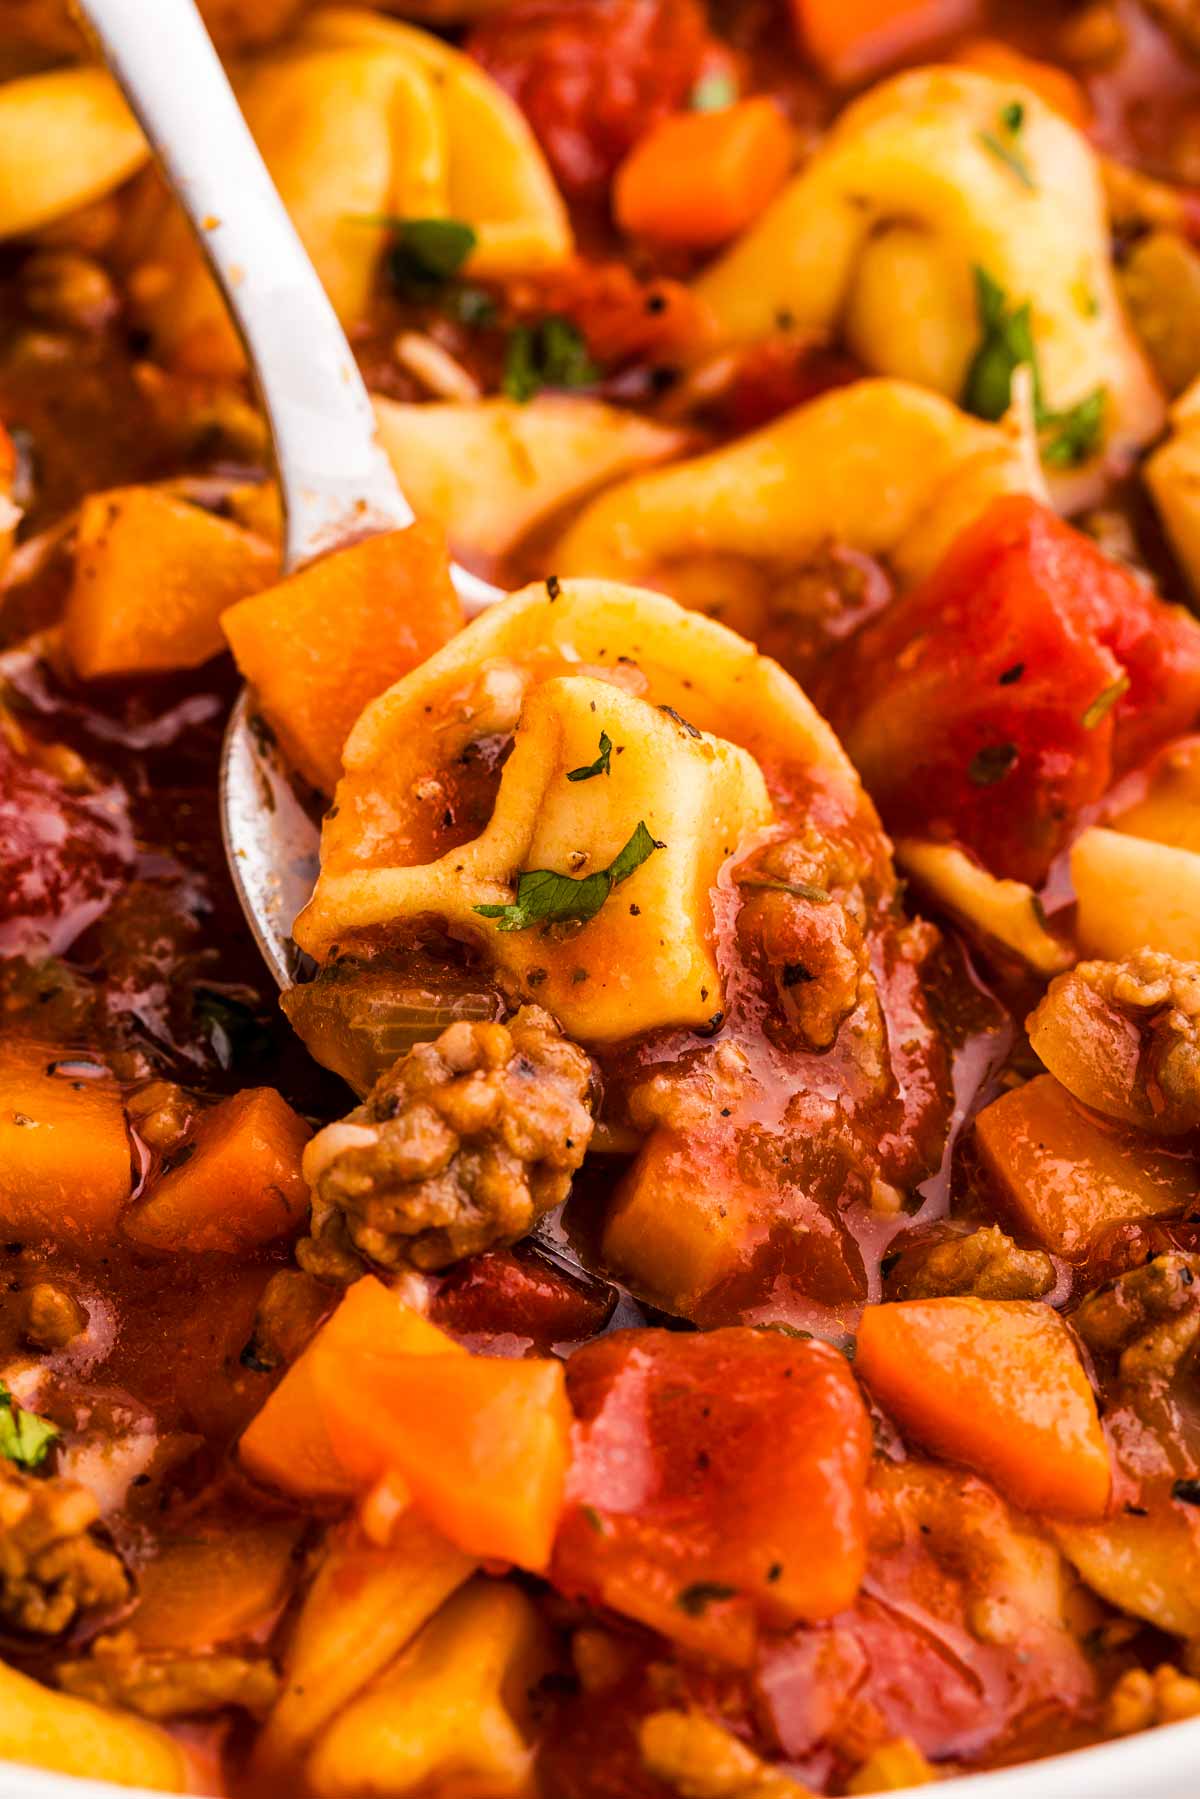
{"x": 24, "y": 1437}
{"x": 1078, "y": 431}
{"x": 1186, "y": 1489}
{"x": 551, "y": 353}
{"x": 696, "y": 1599}
{"x": 1005, "y": 346}
{"x": 426, "y": 255}
{"x": 1004, "y": 143}
{"x": 992, "y": 763}
{"x": 1004, "y": 146}
{"x": 713, "y": 93}
{"x": 545, "y": 897}
{"x": 601, "y": 766}
{"x": 1104, "y": 702}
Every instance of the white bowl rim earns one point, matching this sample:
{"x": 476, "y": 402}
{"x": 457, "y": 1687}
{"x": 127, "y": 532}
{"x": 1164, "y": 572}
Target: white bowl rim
{"x": 1155, "y": 1764}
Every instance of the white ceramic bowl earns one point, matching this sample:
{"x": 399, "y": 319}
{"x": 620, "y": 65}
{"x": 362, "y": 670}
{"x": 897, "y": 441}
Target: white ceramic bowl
{"x": 1157, "y": 1764}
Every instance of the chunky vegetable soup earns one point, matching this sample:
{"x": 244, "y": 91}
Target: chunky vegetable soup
{"x": 694, "y": 1293}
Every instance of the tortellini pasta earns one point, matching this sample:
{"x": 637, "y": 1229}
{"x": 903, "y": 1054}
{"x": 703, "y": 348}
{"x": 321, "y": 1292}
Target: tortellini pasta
{"x": 685, "y": 708}
{"x": 930, "y": 177}
{"x": 360, "y": 119}
{"x": 1137, "y": 876}
{"x": 66, "y": 138}
{"x": 881, "y": 466}
{"x": 495, "y": 177}
{"x": 491, "y": 471}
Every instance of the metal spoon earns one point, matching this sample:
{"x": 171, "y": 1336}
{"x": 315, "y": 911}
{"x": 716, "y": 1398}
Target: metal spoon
{"x": 335, "y": 480}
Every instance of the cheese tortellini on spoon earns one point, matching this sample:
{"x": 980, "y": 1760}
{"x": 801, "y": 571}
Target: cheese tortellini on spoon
{"x": 634, "y": 776}
{"x": 931, "y": 183}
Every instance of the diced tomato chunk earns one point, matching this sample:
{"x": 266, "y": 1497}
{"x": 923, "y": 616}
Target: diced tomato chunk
{"x": 518, "y": 1294}
{"x": 717, "y": 1482}
{"x": 592, "y": 76}
{"x": 1004, "y": 694}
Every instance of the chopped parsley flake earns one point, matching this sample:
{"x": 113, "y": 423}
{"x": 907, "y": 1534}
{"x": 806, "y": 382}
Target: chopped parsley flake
{"x": 551, "y": 353}
{"x": 1004, "y": 145}
{"x": 601, "y": 766}
{"x": 545, "y": 897}
{"x": 1006, "y": 344}
{"x": 1188, "y": 1490}
{"x": 1104, "y": 702}
{"x": 1077, "y": 431}
{"x": 426, "y": 255}
{"x": 24, "y": 1437}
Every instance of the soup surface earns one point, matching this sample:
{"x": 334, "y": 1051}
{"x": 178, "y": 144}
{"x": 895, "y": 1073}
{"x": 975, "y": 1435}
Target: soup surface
{"x": 695, "y": 1289}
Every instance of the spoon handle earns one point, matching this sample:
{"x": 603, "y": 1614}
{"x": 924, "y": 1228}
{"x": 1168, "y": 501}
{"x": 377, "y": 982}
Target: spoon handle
{"x": 335, "y": 479}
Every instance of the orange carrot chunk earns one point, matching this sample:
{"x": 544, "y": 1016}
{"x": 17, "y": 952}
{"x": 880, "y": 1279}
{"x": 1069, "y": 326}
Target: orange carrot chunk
{"x": 318, "y": 646}
{"x": 482, "y": 1443}
{"x": 996, "y": 1384}
{"x": 287, "y": 1444}
{"x": 699, "y": 178}
{"x": 152, "y": 577}
{"x": 848, "y": 39}
{"x": 240, "y": 1182}
{"x": 65, "y": 1163}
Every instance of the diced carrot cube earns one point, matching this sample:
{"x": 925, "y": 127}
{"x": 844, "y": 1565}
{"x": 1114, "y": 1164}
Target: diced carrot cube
{"x": 481, "y": 1441}
{"x": 318, "y": 646}
{"x": 288, "y": 1445}
{"x": 240, "y": 1184}
{"x": 699, "y": 178}
{"x": 996, "y": 1384}
{"x": 152, "y": 577}
{"x": 65, "y": 1163}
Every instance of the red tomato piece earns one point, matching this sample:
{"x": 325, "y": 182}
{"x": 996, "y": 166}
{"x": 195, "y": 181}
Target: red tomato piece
{"x": 717, "y": 1482}
{"x": 592, "y": 76}
{"x": 622, "y": 317}
{"x": 1001, "y": 696}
